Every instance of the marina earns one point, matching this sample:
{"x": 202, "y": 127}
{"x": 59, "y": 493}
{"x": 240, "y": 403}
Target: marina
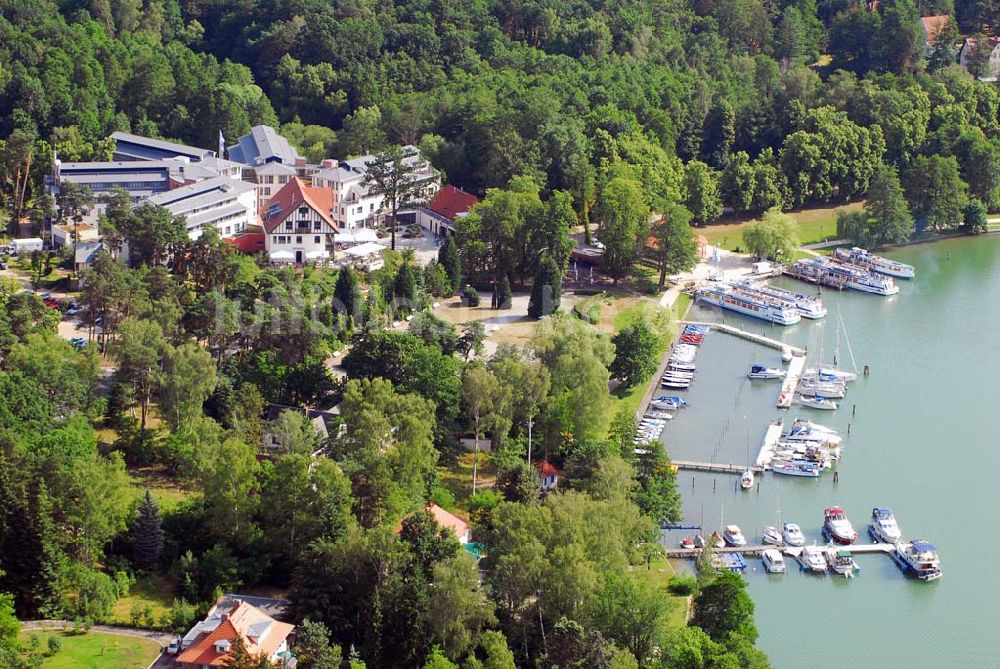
{"x": 881, "y": 428}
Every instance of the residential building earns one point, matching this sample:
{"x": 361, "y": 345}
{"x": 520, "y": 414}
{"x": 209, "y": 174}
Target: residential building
{"x": 321, "y": 421}
{"x": 932, "y": 27}
{"x": 355, "y": 204}
{"x": 549, "y": 475}
{"x": 84, "y": 255}
{"x": 229, "y": 206}
{"x": 967, "y": 53}
{"x": 136, "y": 147}
{"x": 447, "y": 206}
{"x": 264, "y": 145}
{"x": 210, "y": 642}
{"x": 270, "y": 178}
{"x": 299, "y": 224}
{"x": 62, "y": 234}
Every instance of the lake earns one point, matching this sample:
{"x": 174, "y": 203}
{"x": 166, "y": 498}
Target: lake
{"x": 921, "y": 442}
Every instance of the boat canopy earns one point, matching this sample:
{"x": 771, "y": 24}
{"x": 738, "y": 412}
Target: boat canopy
{"x": 844, "y": 554}
{"x": 882, "y": 512}
{"x": 920, "y": 546}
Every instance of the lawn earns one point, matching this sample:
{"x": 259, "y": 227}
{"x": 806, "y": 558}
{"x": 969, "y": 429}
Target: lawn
{"x": 151, "y": 596}
{"x": 164, "y": 489}
{"x": 458, "y": 477}
{"x": 658, "y": 574}
{"x": 815, "y": 225}
{"x": 96, "y": 651}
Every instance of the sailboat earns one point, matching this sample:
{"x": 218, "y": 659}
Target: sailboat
{"x": 746, "y": 481}
{"x": 834, "y": 372}
{"x": 772, "y": 534}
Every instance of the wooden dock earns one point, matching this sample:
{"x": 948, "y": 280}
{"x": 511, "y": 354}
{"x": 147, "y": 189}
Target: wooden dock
{"x": 757, "y": 550}
{"x": 791, "y": 382}
{"x": 715, "y": 467}
{"x": 771, "y": 438}
{"x": 750, "y": 336}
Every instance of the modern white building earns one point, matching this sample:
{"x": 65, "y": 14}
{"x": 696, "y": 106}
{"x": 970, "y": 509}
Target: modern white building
{"x": 299, "y": 226}
{"x": 226, "y": 204}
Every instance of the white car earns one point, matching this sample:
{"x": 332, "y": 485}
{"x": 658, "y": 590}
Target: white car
{"x": 174, "y": 647}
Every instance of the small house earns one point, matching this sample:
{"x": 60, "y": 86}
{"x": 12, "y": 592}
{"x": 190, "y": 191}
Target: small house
{"x": 549, "y": 475}
{"x": 298, "y": 224}
{"x": 452, "y": 522}
{"x": 210, "y": 642}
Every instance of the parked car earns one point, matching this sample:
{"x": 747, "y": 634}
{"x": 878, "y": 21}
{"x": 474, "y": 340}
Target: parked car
{"x": 3, "y": 265}
{"x": 78, "y": 342}
{"x": 174, "y": 647}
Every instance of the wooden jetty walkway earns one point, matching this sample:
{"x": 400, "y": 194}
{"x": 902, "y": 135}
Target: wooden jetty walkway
{"x": 716, "y": 467}
{"x": 750, "y": 336}
{"x": 771, "y": 438}
{"x": 756, "y": 551}
{"x": 791, "y": 381}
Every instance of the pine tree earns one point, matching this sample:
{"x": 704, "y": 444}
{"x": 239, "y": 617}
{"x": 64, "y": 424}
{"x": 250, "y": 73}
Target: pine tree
{"x": 450, "y": 260}
{"x": 546, "y": 290}
{"x": 404, "y": 289}
{"x": 503, "y": 294}
{"x": 147, "y": 534}
{"x": 346, "y": 295}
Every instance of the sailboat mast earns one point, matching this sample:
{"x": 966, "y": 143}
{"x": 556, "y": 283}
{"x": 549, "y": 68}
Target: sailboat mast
{"x": 854, "y": 363}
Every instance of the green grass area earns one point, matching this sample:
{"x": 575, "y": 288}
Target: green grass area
{"x": 164, "y": 489}
{"x": 96, "y": 651}
{"x": 658, "y": 574}
{"x": 458, "y": 477}
{"x": 150, "y": 597}
{"x": 681, "y": 306}
{"x": 814, "y": 226}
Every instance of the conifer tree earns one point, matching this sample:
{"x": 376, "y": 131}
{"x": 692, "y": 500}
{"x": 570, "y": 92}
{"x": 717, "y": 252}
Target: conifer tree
{"x": 346, "y": 295}
{"x": 449, "y": 259}
{"x": 546, "y": 290}
{"x": 147, "y": 534}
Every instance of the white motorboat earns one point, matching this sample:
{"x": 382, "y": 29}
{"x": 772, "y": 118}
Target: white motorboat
{"x": 675, "y": 384}
{"x": 682, "y": 366}
{"x": 750, "y": 303}
{"x": 842, "y": 562}
{"x": 765, "y": 373}
{"x": 670, "y": 373}
{"x": 918, "y": 558}
{"x": 817, "y": 402}
{"x": 717, "y": 541}
{"x": 795, "y": 468}
{"x": 876, "y": 263}
{"x": 803, "y": 430}
{"x": 774, "y": 563}
{"x": 883, "y": 527}
{"x": 746, "y": 481}
{"x": 662, "y": 415}
{"x": 812, "y": 559}
{"x": 733, "y": 536}
{"x": 671, "y": 401}
{"x": 786, "y": 354}
{"x": 827, "y": 390}
{"x": 837, "y": 527}
{"x": 792, "y": 535}
{"x": 770, "y": 535}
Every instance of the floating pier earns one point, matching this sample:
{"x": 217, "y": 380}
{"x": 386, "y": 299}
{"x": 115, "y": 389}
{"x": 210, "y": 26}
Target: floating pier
{"x": 750, "y": 336}
{"x": 791, "y": 381}
{"x": 771, "y": 438}
{"x": 791, "y": 551}
{"x": 715, "y": 467}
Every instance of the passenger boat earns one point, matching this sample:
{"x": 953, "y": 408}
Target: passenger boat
{"x": 837, "y": 527}
{"x": 918, "y": 558}
{"x": 817, "y": 402}
{"x": 811, "y": 558}
{"x": 808, "y": 306}
{"x": 841, "y": 274}
{"x": 733, "y": 536}
{"x": 770, "y": 535}
{"x": 869, "y": 260}
{"x": 748, "y": 303}
{"x": 774, "y": 563}
{"x": 842, "y": 562}
{"x": 795, "y": 468}
{"x": 746, "y": 481}
{"x": 792, "y": 535}
{"x": 883, "y": 526}
{"x": 765, "y": 373}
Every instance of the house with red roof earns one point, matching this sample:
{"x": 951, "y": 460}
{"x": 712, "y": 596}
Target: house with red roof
{"x": 447, "y": 206}
{"x": 210, "y": 642}
{"x": 298, "y": 224}
{"x": 448, "y": 521}
{"x": 549, "y": 475}
{"x": 932, "y": 27}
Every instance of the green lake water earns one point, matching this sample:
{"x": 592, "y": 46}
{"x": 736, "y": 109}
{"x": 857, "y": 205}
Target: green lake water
{"x": 923, "y": 441}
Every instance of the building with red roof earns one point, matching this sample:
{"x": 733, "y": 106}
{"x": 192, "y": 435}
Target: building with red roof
{"x": 248, "y": 243}
{"x": 298, "y": 224}
{"x": 932, "y": 27}
{"x": 210, "y": 642}
{"x": 447, "y": 206}
{"x": 549, "y": 475}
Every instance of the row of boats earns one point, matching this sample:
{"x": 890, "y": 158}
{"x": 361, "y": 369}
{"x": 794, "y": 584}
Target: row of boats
{"x": 680, "y": 369}
{"x": 843, "y": 271}
{"x": 762, "y": 301}
{"x": 916, "y": 557}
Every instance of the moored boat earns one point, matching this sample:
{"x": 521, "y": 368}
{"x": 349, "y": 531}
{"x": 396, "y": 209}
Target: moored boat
{"x": 842, "y": 562}
{"x": 733, "y": 536}
{"x": 883, "y": 526}
{"x": 830, "y": 374}
{"x": 770, "y": 535}
{"x": 774, "y": 563}
{"x": 795, "y": 468}
{"x": 918, "y": 558}
{"x": 746, "y": 481}
{"x": 748, "y": 303}
{"x": 765, "y": 373}
{"x": 807, "y": 305}
{"x": 869, "y": 260}
{"x": 805, "y": 430}
{"x": 837, "y": 527}
{"x": 792, "y": 534}
{"x": 811, "y": 558}
{"x": 828, "y": 390}
{"x": 817, "y": 402}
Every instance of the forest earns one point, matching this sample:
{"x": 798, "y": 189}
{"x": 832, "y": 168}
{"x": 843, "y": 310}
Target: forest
{"x": 557, "y": 112}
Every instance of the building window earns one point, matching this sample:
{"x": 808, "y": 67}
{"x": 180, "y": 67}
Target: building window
{"x": 303, "y": 211}
{"x": 317, "y": 226}
{"x": 316, "y": 239}
{"x": 288, "y": 225}
{"x": 298, "y": 239}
